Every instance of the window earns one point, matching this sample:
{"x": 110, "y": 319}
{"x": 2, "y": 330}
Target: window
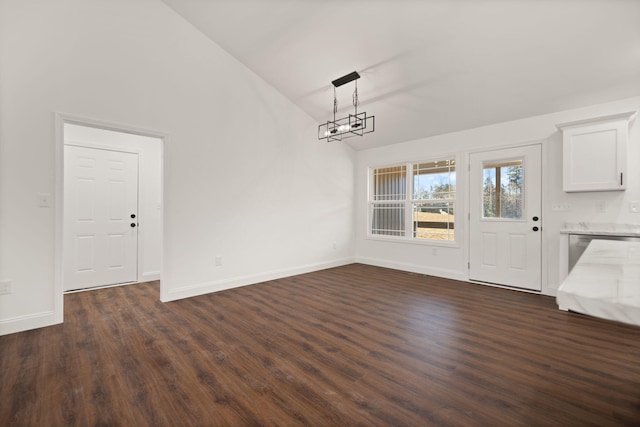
{"x": 389, "y": 195}
{"x": 414, "y": 200}
{"x": 433, "y": 202}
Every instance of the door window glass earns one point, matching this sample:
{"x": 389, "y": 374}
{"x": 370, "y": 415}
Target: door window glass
{"x": 502, "y": 190}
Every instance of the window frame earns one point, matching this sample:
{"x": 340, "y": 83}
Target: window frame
{"x": 408, "y": 201}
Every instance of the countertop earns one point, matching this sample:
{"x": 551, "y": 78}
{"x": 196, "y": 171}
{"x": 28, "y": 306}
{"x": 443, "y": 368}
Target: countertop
{"x": 601, "y": 229}
{"x": 605, "y": 282}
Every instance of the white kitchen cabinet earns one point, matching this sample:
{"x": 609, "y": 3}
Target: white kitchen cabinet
{"x": 595, "y": 153}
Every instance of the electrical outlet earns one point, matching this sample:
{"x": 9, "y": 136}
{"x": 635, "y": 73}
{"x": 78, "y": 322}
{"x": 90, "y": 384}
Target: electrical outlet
{"x": 434, "y": 251}
{"x": 634, "y": 207}
{"x": 44, "y": 200}
{"x": 218, "y": 261}
{"x": 5, "y": 287}
{"x": 601, "y": 206}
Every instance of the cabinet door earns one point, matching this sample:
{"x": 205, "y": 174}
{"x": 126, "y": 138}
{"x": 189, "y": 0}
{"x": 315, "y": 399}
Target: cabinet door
{"x": 594, "y": 156}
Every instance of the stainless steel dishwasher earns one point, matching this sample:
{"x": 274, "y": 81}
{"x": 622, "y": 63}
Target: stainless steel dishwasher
{"x": 579, "y": 242}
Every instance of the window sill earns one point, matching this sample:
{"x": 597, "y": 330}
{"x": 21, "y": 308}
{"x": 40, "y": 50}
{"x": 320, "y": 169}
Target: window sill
{"x": 420, "y": 242}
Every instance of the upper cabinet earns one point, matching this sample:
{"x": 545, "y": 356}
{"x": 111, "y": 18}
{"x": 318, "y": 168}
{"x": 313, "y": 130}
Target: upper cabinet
{"x": 595, "y": 153}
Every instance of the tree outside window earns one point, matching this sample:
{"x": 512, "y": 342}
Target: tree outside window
{"x": 502, "y": 190}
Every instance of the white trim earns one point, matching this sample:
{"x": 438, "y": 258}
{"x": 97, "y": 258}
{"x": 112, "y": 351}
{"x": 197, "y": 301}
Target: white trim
{"x": 95, "y": 288}
{"x": 414, "y": 241}
{"x": 58, "y": 197}
{"x": 117, "y": 127}
{"x": 89, "y": 144}
{"x": 506, "y": 146}
{"x": 60, "y": 120}
{"x": 437, "y": 272}
{"x": 629, "y": 116}
{"x": 208, "y": 287}
{"x": 414, "y": 268}
{"x": 149, "y": 276}
{"x": 31, "y": 321}
{"x": 510, "y": 288}
{"x": 404, "y": 161}
{"x": 545, "y": 187}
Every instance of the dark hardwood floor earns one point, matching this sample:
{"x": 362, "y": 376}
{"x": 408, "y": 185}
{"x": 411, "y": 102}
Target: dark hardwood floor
{"x": 350, "y": 346}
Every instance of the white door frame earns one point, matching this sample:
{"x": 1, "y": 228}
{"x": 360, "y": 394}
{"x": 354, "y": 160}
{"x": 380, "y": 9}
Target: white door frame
{"x": 544, "y": 189}
{"x": 58, "y": 199}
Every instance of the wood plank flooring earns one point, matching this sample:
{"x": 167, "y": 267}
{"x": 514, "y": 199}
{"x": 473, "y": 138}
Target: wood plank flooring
{"x": 349, "y": 346}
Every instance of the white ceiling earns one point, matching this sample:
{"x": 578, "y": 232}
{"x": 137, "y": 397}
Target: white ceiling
{"x": 430, "y": 67}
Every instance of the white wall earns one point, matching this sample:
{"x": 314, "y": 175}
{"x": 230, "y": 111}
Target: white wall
{"x": 149, "y": 186}
{"x": 452, "y": 261}
{"x": 245, "y": 179}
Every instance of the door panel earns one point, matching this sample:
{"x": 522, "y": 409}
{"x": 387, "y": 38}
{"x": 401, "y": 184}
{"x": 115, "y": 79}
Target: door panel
{"x": 86, "y": 199}
{"x": 505, "y": 205}
{"x": 517, "y": 251}
{"x": 489, "y": 246}
{"x": 84, "y": 253}
{"x": 101, "y": 194}
{"x": 116, "y": 251}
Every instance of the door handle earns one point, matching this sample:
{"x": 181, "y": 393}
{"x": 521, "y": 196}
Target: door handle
{"x": 535, "y": 218}
{"x": 133, "y": 224}
{"x": 535, "y": 229}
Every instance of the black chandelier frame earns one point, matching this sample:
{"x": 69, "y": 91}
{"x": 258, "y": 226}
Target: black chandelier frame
{"x": 356, "y": 124}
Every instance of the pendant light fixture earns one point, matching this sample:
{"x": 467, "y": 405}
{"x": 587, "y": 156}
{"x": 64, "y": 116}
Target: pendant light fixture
{"x": 356, "y": 124}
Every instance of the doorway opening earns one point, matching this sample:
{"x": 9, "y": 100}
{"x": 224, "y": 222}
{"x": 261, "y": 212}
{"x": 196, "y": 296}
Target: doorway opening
{"x": 109, "y": 192}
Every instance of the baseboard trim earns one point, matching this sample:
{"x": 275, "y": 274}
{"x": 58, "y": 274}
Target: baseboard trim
{"x": 414, "y": 268}
{"x": 150, "y": 276}
{"x": 221, "y": 285}
{"x": 28, "y": 322}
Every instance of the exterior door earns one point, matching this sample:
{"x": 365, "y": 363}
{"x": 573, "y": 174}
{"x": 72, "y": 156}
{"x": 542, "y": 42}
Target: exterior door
{"x": 505, "y": 223}
{"x": 100, "y": 217}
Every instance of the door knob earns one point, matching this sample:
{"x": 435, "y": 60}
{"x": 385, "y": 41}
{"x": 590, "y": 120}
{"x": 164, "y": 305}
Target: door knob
{"x": 134, "y": 215}
{"x": 133, "y": 224}
{"x": 535, "y": 218}
{"x": 535, "y": 229}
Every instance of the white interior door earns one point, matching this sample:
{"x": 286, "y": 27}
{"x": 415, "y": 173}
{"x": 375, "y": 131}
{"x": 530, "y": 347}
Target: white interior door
{"x": 100, "y": 217}
{"x": 505, "y": 222}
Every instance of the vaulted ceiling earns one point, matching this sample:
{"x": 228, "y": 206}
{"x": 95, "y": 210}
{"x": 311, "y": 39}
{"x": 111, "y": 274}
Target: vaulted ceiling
{"x": 430, "y": 67}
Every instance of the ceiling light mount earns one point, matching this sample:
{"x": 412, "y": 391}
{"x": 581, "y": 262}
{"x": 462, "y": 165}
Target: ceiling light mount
{"x": 346, "y": 79}
{"x": 356, "y": 124}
